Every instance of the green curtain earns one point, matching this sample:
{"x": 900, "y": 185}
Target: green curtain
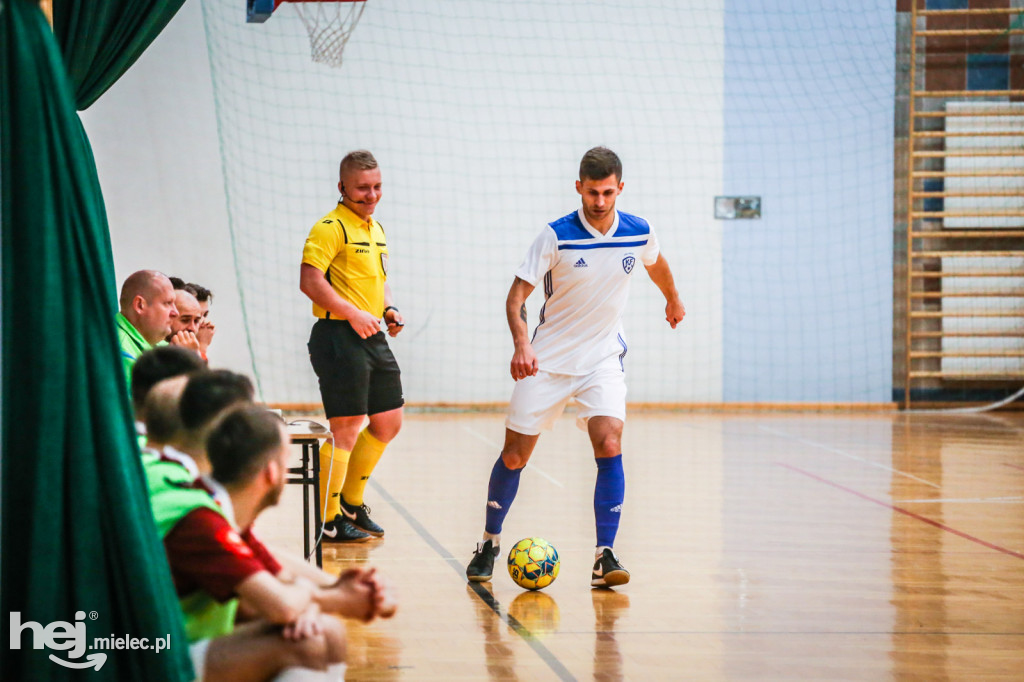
{"x": 76, "y": 531}
{"x": 100, "y": 39}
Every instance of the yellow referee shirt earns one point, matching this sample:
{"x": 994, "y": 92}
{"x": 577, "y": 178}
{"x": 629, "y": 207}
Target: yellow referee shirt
{"x": 353, "y": 255}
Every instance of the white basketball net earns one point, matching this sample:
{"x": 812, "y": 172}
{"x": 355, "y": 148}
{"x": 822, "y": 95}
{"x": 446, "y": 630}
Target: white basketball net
{"x": 329, "y": 24}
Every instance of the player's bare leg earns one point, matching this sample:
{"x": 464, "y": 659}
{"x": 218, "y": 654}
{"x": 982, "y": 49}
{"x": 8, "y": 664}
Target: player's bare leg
{"x": 609, "y": 491}
{"x": 518, "y": 449}
{"x": 501, "y": 491}
{"x": 605, "y": 436}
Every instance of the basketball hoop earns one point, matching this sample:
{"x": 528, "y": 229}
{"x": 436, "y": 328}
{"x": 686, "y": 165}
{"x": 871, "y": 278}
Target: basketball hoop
{"x": 329, "y": 23}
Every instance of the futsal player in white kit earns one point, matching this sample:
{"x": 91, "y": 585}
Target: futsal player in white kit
{"x": 585, "y": 261}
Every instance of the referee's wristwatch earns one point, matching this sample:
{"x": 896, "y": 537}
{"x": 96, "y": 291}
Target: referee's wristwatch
{"x": 390, "y": 307}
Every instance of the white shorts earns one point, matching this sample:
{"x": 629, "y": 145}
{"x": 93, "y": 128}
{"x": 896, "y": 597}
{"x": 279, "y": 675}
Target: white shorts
{"x": 197, "y": 652}
{"x": 538, "y": 401}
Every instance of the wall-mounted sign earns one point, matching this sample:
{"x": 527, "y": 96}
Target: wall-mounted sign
{"x": 737, "y": 208}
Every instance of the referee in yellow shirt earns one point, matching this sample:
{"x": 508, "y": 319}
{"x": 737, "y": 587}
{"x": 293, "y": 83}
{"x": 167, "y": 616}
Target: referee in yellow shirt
{"x": 344, "y": 273}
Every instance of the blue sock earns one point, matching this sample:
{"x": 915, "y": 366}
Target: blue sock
{"x": 608, "y": 495}
{"x": 501, "y": 491}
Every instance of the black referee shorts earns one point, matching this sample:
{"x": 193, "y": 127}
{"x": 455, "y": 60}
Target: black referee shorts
{"x": 357, "y": 376}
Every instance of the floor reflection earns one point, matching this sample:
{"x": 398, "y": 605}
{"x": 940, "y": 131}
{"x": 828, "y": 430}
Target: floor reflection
{"x": 500, "y": 656}
{"x": 609, "y": 606}
{"x": 537, "y": 612}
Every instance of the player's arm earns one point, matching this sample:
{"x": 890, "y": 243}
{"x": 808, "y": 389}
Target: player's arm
{"x": 294, "y": 567}
{"x": 314, "y": 285}
{"x": 204, "y": 549}
{"x": 392, "y": 318}
{"x": 524, "y": 362}
{"x": 661, "y": 275}
{"x": 357, "y": 593}
{"x": 273, "y": 600}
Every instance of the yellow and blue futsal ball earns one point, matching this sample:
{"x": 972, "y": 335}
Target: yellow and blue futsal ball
{"x": 533, "y": 563}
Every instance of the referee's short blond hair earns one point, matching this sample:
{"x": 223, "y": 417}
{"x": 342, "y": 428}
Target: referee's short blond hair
{"x": 360, "y": 159}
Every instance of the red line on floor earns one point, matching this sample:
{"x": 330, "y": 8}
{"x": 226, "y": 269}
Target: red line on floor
{"x": 911, "y": 514}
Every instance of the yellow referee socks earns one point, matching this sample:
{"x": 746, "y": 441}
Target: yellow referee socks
{"x": 365, "y": 456}
{"x": 333, "y": 465}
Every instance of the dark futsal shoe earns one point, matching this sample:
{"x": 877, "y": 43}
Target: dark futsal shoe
{"x": 359, "y": 516}
{"x": 608, "y": 572}
{"x": 481, "y": 566}
{"x": 340, "y": 530}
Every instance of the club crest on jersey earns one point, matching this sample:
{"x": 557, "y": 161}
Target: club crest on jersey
{"x": 627, "y": 264}
{"x": 384, "y": 262}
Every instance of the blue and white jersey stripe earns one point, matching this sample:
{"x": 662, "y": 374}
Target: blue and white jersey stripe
{"x": 628, "y": 231}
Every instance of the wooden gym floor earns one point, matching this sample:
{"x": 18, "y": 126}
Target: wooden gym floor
{"x": 761, "y": 546}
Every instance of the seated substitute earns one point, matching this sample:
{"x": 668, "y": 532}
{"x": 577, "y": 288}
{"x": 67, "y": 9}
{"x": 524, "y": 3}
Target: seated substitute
{"x": 151, "y": 368}
{"x": 216, "y": 562}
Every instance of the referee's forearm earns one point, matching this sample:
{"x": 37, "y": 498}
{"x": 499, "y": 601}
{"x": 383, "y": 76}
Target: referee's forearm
{"x": 316, "y": 288}
{"x": 337, "y": 306}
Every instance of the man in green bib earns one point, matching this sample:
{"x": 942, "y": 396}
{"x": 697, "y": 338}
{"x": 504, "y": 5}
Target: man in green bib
{"x": 146, "y": 310}
{"x": 206, "y": 525}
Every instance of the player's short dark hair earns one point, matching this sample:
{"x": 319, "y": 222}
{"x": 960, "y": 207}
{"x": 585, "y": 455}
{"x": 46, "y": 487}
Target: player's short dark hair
{"x": 209, "y": 392}
{"x": 163, "y": 421}
{"x": 181, "y": 285}
{"x": 158, "y": 364}
{"x": 201, "y": 293}
{"x": 360, "y": 159}
{"x": 599, "y": 163}
{"x": 242, "y": 442}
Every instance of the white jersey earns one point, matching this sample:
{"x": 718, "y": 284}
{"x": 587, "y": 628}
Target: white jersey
{"x": 586, "y": 283}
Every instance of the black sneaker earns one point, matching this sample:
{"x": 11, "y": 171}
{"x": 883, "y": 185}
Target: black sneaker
{"x": 340, "y": 530}
{"x": 359, "y": 516}
{"x": 608, "y": 572}
{"x": 481, "y": 566}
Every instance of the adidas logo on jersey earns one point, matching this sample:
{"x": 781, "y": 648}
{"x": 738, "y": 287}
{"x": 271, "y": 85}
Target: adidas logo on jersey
{"x": 580, "y": 263}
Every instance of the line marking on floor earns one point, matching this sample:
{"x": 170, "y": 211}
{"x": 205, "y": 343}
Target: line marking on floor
{"x": 545, "y": 654}
{"x": 843, "y": 453}
{"x": 923, "y": 519}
